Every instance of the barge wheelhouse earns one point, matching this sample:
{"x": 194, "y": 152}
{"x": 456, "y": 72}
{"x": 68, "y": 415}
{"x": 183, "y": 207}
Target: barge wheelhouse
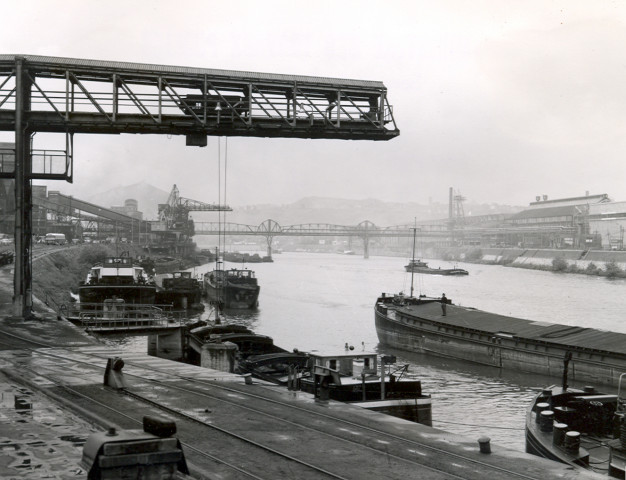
{"x": 120, "y": 279}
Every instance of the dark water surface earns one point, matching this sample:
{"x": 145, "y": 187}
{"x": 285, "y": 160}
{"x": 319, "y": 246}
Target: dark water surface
{"x": 321, "y": 301}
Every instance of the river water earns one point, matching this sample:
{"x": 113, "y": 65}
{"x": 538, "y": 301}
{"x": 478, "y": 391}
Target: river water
{"x": 322, "y": 301}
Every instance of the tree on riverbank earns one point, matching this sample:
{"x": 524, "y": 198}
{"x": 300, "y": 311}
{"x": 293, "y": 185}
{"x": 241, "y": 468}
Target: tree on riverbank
{"x": 613, "y": 271}
{"x": 559, "y": 264}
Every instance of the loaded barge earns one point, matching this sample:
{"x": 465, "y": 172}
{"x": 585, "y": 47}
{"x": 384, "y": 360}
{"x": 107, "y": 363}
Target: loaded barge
{"x": 418, "y": 324}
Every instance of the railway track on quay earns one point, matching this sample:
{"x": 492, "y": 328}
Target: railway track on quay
{"x": 217, "y": 421}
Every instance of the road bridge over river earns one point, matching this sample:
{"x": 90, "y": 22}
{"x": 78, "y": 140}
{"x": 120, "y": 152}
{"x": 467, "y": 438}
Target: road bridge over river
{"x": 366, "y": 230}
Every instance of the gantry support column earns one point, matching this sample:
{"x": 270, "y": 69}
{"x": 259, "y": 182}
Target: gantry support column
{"x": 22, "y": 280}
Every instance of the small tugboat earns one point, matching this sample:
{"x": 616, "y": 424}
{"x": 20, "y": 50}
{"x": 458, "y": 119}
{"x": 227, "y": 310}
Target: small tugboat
{"x": 351, "y": 377}
{"x": 418, "y": 266}
{"x": 354, "y": 377}
{"x": 181, "y": 290}
{"x": 118, "y": 278}
{"x": 583, "y": 428}
{"x": 234, "y": 288}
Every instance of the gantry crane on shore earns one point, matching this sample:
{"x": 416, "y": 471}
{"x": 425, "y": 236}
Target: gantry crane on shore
{"x": 69, "y": 96}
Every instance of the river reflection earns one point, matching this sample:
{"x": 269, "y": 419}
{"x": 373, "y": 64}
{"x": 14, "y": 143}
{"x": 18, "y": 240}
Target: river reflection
{"x": 322, "y": 301}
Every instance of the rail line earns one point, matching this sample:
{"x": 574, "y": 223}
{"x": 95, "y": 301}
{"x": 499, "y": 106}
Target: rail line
{"x": 399, "y": 442}
{"x": 186, "y": 445}
{"x": 175, "y": 412}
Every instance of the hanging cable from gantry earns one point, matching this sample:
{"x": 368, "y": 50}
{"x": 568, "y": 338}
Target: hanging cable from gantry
{"x": 221, "y": 238}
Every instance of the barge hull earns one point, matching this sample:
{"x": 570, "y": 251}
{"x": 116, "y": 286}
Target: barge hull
{"x": 234, "y": 296}
{"x": 129, "y": 293}
{"x": 502, "y": 342}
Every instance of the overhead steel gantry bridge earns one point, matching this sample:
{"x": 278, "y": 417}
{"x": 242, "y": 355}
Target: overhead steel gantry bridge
{"x": 70, "y": 96}
{"x": 269, "y": 229}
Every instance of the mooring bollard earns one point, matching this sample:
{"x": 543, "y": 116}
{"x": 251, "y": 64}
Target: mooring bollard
{"x": 485, "y": 445}
{"x": 558, "y": 433}
{"x": 113, "y": 376}
{"x": 572, "y": 441}
{"x": 546, "y": 422}
{"x": 540, "y": 407}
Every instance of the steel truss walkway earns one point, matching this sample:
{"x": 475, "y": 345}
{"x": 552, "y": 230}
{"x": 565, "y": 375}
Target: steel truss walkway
{"x": 90, "y": 96}
{"x": 69, "y": 96}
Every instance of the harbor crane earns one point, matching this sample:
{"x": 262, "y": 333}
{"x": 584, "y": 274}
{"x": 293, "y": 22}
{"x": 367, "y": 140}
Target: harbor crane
{"x": 175, "y": 228}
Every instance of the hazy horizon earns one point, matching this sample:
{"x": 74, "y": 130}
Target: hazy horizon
{"x": 502, "y": 101}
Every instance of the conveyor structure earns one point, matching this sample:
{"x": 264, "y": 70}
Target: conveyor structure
{"x": 69, "y": 206}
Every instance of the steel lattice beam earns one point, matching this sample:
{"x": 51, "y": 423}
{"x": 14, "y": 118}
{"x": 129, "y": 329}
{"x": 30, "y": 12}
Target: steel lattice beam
{"x": 89, "y": 96}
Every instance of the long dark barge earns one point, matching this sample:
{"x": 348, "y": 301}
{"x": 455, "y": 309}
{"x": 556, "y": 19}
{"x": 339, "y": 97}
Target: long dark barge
{"x": 418, "y": 324}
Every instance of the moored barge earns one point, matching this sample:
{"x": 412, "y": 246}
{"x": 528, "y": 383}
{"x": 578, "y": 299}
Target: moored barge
{"x": 418, "y": 324}
{"x": 234, "y": 288}
{"x": 117, "y": 278}
{"x": 584, "y": 428}
{"x": 181, "y": 290}
{"x": 419, "y": 266}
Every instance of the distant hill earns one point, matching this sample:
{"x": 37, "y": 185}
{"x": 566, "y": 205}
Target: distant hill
{"x": 147, "y": 196}
{"x": 351, "y": 212}
{"x": 335, "y": 211}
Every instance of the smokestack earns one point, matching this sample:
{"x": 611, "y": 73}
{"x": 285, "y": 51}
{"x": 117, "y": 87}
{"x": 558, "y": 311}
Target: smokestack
{"x": 545, "y": 197}
{"x": 450, "y": 206}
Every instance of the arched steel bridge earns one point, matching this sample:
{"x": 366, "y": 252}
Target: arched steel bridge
{"x": 269, "y": 229}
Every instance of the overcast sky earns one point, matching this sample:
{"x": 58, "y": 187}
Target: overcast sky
{"x": 501, "y": 100}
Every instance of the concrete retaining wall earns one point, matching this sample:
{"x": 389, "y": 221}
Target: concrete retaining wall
{"x": 544, "y": 257}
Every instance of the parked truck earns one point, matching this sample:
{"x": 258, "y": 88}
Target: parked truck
{"x": 55, "y": 239}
